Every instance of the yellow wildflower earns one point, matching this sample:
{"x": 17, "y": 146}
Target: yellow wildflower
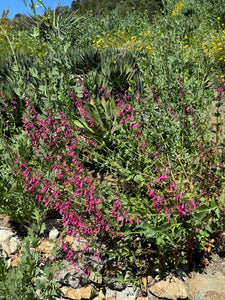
{"x": 178, "y": 8}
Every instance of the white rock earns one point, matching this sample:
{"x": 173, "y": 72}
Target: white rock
{"x": 11, "y": 245}
{"x": 4, "y": 235}
{"x": 53, "y": 234}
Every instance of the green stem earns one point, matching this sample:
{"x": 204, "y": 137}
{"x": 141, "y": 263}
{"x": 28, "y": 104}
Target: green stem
{"x": 40, "y": 41}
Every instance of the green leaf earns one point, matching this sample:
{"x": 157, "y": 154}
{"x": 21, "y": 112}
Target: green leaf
{"x": 138, "y": 178}
{"x": 199, "y": 216}
{"x": 129, "y": 177}
{"x": 138, "y": 251}
{"x": 78, "y": 124}
{"x": 214, "y": 204}
{"x": 222, "y": 198}
{"x": 83, "y": 124}
{"x": 17, "y": 91}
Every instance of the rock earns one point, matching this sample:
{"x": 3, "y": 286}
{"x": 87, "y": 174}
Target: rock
{"x": 53, "y": 234}
{"x": 212, "y": 295}
{"x": 128, "y": 293}
{"x": 116, "y": 285}
{"x": 88, "y": 292}
{"x": 76, "y": 279}
{"x": 64, "y": 273}
{"x": 9, "y": 261}
{"x": 45, "y": 247}
{"x": 149, "y": 279}
{"x": 101, "y": 295}
{"x": 95, "y": 263}
{"x": 4, "y": 235}
{"x": 171, "y": 288}
{"x": 3, "y": 254}
{"x": 151, "y": 296}
{"x": 206, "y": 283}
{"x": 84, "y": 280}
{"x": 144, "y": 286}
{"x": 74, "y": 282}
{"x": 11, "y": 245}
{"x": 110, "y": 293}
{"x": 69, "y": 239}
{"x": 95, "y": 279}
{"x": 221, "y": 268}
{"x": 76, "y": 246}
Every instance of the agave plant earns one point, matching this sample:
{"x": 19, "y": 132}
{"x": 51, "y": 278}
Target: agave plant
{"x": 84, "y": 60}
{"x": 102, "y": 114}
{"x": 112, "y": 69}
{"x": 11, "y": 72}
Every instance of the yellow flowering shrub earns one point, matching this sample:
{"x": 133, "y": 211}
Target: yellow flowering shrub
{"x": 214, "y": 47}
{"x": 122, "y": 38}
{"x": 178, "y": 8}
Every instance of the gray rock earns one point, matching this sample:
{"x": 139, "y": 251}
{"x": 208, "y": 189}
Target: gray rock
{"x": 64, "y": 273}
{"x": 78, "y": 276}
{"x": 116, "y": 285}
{"x": 74, "y": 283}
{"x": 128, "y": 293}
{"x": 110, "y": 293}
{"x": 84, "y": 280}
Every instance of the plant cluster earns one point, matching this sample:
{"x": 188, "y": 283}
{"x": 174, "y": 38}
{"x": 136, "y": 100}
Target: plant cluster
{"x": 214, "y": 47}
{"x": 116, "y": 139}
{"x": 123, "y": 39}
{"x": 30, "y": 279}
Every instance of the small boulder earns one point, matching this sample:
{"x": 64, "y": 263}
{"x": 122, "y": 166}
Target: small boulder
{"x": 11, "y": 245}
{"x": 53, "y": 234}
{"x": 171, "y": 288}
{"x": 45, "y": 247}
{"x": 82, "y": 293}
{"x": 4, "y": 235}
{"x": 207, "y": 283}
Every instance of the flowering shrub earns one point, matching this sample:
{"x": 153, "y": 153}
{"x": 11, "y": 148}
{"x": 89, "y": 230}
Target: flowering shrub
{"x": 214, "y": 48}
{"x": 122, "y": 38}
{"x": 133, "y": 172}
{"x": 154, "y": 196}
{"x": 178, "y": 8}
